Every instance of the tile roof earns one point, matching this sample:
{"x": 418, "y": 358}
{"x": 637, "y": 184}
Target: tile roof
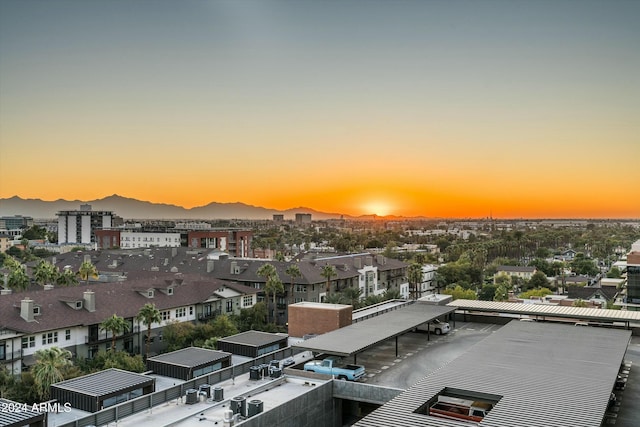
{"x": 120, "y": 298}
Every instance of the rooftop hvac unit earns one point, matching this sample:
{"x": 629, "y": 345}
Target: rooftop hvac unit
{"x": 191, "y": 396}
{"x": 218, "y": 394}
{"x": 239, "y": 405}
{"x": 254, "y": 407}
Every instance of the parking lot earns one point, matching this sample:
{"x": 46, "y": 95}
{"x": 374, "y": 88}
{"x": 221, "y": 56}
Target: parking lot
{"x": 418, "y": 357}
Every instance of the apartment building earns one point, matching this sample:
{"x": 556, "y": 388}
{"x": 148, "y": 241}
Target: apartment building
{"x": 70, "y": 317}
{"x": 79, "y": 226}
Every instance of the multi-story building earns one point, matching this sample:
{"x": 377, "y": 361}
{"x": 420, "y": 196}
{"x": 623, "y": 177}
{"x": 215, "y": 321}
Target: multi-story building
{"x": 80, "y": 226}
{"x": 16, "y": 222}
{"x": 633, "y": 278}
{"x": 5, "y": 242}
{"x": 70, "y": 317}
{"x": 303, "y": 218}
{"x": 236, "y": 242}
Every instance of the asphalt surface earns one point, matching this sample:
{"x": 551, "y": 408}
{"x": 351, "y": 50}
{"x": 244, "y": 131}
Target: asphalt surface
{"x": 418, "y": 357}
{"x": 420, "y": 354}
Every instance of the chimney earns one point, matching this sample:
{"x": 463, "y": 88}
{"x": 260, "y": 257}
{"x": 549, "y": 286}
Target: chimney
{"x": 174, "y": 252}
{"x": 234, "y": 267}
{"x": 209, "y": 266}
{"x": 381, "y": 259}
{"x": 369, "y": 260}
{"x": 26, "y": 309}
{"x": 89, "y": 301}
{"x": 87, "y": 258}
{"x": 357, "y": 261}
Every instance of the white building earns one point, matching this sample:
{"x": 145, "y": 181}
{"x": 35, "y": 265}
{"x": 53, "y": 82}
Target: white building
{"x": 79, "y": 226}
{"x": 140, "y": 239}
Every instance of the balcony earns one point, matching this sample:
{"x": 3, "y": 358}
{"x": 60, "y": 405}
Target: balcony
{"x": 203, "y": 317}
{"x": 10, "y": 356}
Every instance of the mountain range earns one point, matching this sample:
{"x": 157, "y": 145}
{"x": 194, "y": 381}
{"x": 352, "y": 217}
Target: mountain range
{"x": 128, "y": 208}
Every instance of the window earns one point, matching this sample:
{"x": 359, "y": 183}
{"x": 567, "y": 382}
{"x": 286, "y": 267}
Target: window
{"x": 170, "y": 291}
{"x": 190, "y": 310}
{"x": 49, "y": 338}
{"x": 28, "y": 342}
{"x": 301, "y": 288}
{"x": 67, "y": 334}
{"x": 166, "y": 315}
{"x": 3, "y": 351}
{"x": 247, "y": 301}
{"x": 181, "y": 312}
{"x": 229, "y": 306}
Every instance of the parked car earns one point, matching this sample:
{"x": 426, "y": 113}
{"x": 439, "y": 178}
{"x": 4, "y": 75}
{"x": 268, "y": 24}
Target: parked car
{"x": 438, "y": 327}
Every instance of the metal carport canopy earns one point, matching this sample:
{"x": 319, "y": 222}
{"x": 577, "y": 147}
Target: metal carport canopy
{"x": 360, "y": 336}
{"x": 548, "y": 310}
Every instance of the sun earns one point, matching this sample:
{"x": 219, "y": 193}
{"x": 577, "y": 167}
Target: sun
{"x": 379, "y": 208}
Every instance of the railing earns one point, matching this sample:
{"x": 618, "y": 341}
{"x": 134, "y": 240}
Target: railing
{"x": 143, "y": 403}
{"x": 12, "y": 355}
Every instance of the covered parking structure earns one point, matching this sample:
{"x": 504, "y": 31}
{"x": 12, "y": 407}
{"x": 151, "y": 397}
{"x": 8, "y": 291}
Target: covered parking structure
{"x": 363, "y": 335}
{"x": 533, "y": 374}
{"x": 548, "y": 312}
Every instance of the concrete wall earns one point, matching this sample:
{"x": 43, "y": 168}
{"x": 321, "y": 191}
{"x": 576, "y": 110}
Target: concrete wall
{"x": 317, "y": 408}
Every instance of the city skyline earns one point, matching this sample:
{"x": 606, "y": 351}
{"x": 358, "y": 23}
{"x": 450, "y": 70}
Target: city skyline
{"x": 435, "y": 109}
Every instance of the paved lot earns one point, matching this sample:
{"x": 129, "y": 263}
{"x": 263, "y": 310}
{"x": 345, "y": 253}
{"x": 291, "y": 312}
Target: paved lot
{"x": 418, "y": 357}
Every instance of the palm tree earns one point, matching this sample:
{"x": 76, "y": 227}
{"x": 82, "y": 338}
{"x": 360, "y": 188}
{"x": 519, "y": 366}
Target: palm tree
{"x": 116, "y": 325}
{"x": 414, "y": 276}
{"x": 45, "y": 273}
{"x": 48, "y": 368}
{"x": 86, "y": 270}
{"x": 267, "y": 270}
{"x": 18, "y": 280}
{"x": 293, "y": 271}
{"x": 274, "y": 287}
{"x": 67, "y": 278}
{"x": 148, "y": 315}
{"x": 328, "y": 272}
{"x": 353, "y": 294}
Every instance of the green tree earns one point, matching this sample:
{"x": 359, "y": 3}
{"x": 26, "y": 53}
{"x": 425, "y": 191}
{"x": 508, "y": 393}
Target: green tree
{"x": 540, "y": 292}
{"x": 274, "y": 287}
{"x": 49, "y": 368}
{"x": 353, "y": 294}
{"x": 269, "y": 272}
{"x": 460, "y": 293}
{"x": 116, "y": 325}
{"x": 487, "y": 292}
{"x": 580, "y": 303}
{"x": 18, "y": 279}
{"x": 222, "y": 327}
{"x": 538, "y": 280}
{"x": 86, "y": 270}
{"x": 67, "y": 278}
{"x": 614, "y": 273}
{"x": 211, "y": 343}
{"x": 293, "y": 271}
{"x": 328, "y": 272}
{"x": 253, "y": 318}
{"x": 336, "y": 298}
{"x": 148, "y": 315}
{"x": 391, "y": 294}
{"x": 414, "y": 276}
{"x": 502, "y": 292}
{"x": 45, "y": 273}
{"x": 178, "y": 334}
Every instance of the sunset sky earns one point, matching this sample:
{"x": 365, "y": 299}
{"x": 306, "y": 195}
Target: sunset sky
{"x": 430, "y": 108}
